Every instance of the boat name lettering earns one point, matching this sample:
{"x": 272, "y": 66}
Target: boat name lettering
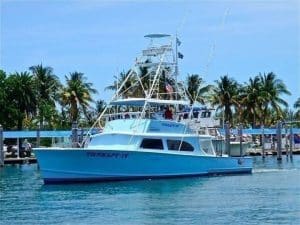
{"x": 154, "y": 129}
{"x": 170, "y": 125}
{"x": 107, "y": 155}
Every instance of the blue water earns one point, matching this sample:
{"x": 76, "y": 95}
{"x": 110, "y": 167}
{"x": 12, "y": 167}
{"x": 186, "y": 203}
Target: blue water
{"x": 271, "y": 195}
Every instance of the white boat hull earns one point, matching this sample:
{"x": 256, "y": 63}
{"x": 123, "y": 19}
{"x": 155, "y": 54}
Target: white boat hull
{"x": 235, "y": 151}
{"x": 235, "y": 148}
{"x": 88, "y": 165}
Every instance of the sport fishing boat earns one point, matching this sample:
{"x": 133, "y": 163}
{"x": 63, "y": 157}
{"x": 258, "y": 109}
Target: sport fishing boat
{"x": 144, "y": 133}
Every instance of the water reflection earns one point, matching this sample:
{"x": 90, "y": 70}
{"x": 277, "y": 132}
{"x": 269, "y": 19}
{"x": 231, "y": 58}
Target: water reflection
{"x": 159, "y": 186}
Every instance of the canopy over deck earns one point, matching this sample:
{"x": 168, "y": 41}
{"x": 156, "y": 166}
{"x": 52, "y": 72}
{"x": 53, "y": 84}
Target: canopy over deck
{"x": 151, "y": 101}
{"x": 267, "y": 131}
{"x": 157, "y": 35}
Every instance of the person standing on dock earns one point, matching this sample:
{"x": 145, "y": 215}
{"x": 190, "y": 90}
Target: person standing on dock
{"x": 27, "y": 147}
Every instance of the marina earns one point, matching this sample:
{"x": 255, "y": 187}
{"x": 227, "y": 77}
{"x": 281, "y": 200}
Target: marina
{"x": 149, "y": 112}
{"x": 145, "y": 136}
{"x": 65, "y": 139}
{"x": 271, "y": 195}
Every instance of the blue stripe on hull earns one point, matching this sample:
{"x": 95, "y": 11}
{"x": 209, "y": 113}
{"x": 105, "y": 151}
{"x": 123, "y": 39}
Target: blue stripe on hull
{"x": 105, "y": 179}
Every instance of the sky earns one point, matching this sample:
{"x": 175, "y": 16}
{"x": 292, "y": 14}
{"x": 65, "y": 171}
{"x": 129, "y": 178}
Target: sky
{"x": 103, "y": 38}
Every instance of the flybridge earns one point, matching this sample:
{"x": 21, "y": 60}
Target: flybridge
{"x": 155, "y": 51}
{"x": 141, "y": 102}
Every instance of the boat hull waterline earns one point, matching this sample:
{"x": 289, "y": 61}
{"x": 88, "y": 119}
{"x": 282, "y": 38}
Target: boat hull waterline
{"x": 93, "y": 165}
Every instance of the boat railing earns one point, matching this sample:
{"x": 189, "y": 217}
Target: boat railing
{"x": 122, "y": 115}
{"x": 168, "y": 95}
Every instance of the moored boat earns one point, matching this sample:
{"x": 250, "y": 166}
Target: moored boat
{"x": 144, "y": 136}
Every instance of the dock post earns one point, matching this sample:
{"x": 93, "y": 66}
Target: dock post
{"x": 221, "y": 145}
{"x": 227, "y": 138}
{"x": 240, "y": 134}
{"x": 1, "y": 147}
{"x": 81, "y": 135}
{"x": 291, "y": 141}
{"x": 279, "y": 143}
{"x": 18, "y": 148}
{"x": 74, "y": 135}
{"x": 286, "y": 146}
{"x": 263, "y": 141}
{"x": 38, "y": 136}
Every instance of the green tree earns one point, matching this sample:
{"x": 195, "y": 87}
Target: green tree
{"x": 100, "y": 106}
{"x": 47, "y": 86}
{"x": 196, "y": 88}
{"x": 252, "y": 96}
{"x": 140, "y": 82}
{"x": 225, "y": 95}
{"x": 297, "y": 107}
{"x": 129, "y": 88}
{"x": 21, "y": 96}
{"x": 77, "y": 94}
{"x": 272, "y": 89}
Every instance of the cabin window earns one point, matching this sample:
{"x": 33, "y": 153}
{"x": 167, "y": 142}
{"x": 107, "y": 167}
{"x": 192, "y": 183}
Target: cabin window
{"x": 195, "y": 114}
{"x": 175, "y": 144}
{"x": 206, "y": 146}
{"x": 185, "y": 115}
{"x": 152, "y": 143}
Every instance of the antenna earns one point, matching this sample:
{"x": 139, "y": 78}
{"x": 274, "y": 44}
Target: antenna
{"x": 213, "y": 46}
{"x": 183, "y": 21}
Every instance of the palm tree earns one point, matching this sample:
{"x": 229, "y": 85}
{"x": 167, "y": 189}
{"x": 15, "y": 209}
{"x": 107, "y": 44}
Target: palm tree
{"x": 77, "y": 94}
{"x": 252, "y": 96}
{"x": 100, "y": 106}
{"x": 196, "y": 89}
{"x": 140, "y": 82}
{"x": 225, "y": 96}
{"x": 47, "y": 85}
{"x": 272, "y": 89}
{"x": 21, "y": 96}
{"x": 128, "y": 88}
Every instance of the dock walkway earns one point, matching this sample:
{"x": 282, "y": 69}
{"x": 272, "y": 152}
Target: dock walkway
{"x": 25, "y": 160}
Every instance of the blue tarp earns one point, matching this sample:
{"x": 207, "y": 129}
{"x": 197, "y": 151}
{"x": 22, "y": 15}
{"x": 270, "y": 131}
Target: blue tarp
{"x": 33, "y": 134}
{"x": 46, "y": 133}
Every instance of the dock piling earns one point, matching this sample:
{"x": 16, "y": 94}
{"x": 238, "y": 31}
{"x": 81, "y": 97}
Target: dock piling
{"x": 81, "y": 136}
{"x": 38, "y": 136}
{"x": 227, "y": 138}
{"x": 1, "y": 147}
{"x": 263, "y": 141}
{"x": 240, "y": 134}
{"x": 18, "y": 148}
{"x": 286, "y": 145}
{"x": 74, "y": 135}
{"x": 279, "y": 142}
{"x": 291, "y": 141}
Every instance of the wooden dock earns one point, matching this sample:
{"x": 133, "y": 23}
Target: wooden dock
{"x": 258, "y": 152}
{"x": 26, "y": 160}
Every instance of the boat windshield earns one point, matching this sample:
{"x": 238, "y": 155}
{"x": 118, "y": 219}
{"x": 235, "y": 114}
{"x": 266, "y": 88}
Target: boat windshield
{"x": 207, "y": 146}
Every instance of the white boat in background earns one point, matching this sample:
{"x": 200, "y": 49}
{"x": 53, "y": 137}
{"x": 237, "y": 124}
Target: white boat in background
{"x": 235, "y": 148}
{"x": 145, "y": 136}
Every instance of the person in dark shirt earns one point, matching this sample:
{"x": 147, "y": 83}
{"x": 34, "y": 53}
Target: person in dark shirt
{"x": 168, "y": 114}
